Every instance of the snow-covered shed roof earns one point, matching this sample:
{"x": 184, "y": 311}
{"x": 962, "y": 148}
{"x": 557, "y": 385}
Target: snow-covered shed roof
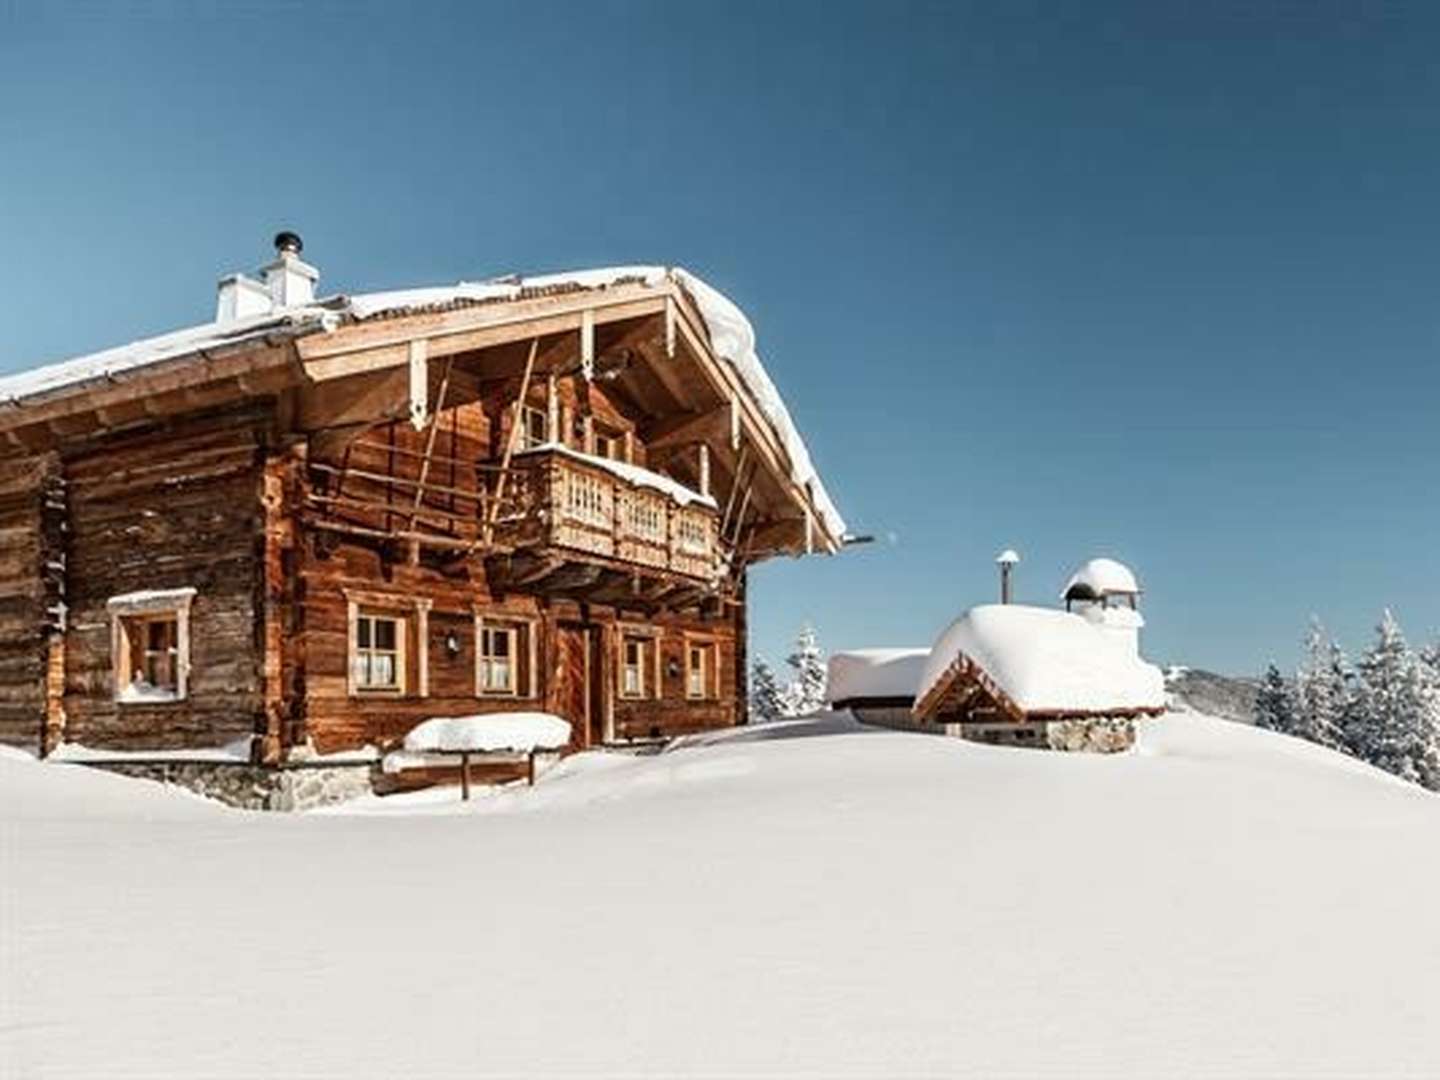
{"x": 874, "y": 674}
{"x": 1040, "y": 660}
{"x": 1100, "y": 577}
{"x": 732, "y": 339}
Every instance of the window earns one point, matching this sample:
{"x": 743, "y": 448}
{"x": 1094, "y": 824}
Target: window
{"x": 700, "y": 670}
{"x": 503, "y": 660}
{"x": 150, "y": 645}
{"x": 610, "y": 446}
{"x": 638, "y": 677}
{"x": 498, "y": 674}
{"x": 379, "y": 652}
{"x": 534, "y": 427}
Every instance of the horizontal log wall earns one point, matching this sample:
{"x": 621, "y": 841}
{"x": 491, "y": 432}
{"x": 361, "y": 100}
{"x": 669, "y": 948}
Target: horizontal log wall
{"x": 31, "y": 592}
{"x": 172, "y": 507}
{"x": 335, "y": 719}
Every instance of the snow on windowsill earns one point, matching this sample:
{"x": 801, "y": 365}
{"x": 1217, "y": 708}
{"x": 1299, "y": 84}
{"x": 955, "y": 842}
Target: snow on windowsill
{"x": 143, "y": 693}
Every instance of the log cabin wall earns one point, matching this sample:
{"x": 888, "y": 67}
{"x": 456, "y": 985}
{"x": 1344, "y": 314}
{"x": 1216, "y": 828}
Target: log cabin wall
{"x": 338, "y": 717}
{"x": 369, "y": 482}
{"x": 31, "y": 600}
{"x": 173, "y": 507}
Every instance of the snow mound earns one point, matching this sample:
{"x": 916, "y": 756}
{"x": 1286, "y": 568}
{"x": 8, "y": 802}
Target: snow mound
{"x": 518, "y": 732}
{"x": 1203, "y": 907}
{"x": 1046, "y": 661}
{"x": 874, "y": 673}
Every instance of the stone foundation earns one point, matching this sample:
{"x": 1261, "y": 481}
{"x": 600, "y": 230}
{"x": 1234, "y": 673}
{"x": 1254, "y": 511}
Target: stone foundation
{"x": 1094, "y": 736}
{"x": 254, "y": 787}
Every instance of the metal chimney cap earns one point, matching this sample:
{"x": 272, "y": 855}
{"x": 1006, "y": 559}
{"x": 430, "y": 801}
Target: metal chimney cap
{"x": 288, "y": 241}
{"x": 1008, "y": 557}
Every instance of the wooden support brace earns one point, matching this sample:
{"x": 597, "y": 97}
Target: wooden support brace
{"x": 419, "y": 384}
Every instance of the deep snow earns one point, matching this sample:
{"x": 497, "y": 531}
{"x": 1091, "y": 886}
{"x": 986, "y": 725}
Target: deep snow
{"x": 810, "y": 898}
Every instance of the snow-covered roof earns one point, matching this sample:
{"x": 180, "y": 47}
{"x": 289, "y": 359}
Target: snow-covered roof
{"x": 518, "y": 732}
{"x": 1100, "y": 577}
{"x": 731, "y": 337}
{"x": 109, "y": 363}
{"x": 1045, "y": 661}
{"x": 634, "y": 474}
{"x": 874, "y": 673}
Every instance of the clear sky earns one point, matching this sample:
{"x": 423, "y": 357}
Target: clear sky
{"x": 1138, "y": 280}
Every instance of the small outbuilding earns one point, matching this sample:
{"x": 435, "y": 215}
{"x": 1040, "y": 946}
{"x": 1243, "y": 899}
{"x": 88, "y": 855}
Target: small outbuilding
{"x": 877, "y": 685}
{"x": 1071, "y": 679}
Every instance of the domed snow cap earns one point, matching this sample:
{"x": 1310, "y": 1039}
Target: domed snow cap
{"x": 1099, "y": 578}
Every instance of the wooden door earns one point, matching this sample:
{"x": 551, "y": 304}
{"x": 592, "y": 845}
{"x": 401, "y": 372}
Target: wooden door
{"x": 577, "y": 671}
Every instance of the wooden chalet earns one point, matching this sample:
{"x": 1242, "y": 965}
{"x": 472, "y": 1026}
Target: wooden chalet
{"x": 314, "y": 523}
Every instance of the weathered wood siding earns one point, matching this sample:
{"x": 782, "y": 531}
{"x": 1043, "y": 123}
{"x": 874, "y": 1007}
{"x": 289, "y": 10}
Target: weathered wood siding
{"x": 31, "y": 595}
{"x": 168, "y": 508}
{"x": 336, "y": 719}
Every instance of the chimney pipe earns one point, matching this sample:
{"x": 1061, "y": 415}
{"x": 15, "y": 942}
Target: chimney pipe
{"x": 1006, "y": 560}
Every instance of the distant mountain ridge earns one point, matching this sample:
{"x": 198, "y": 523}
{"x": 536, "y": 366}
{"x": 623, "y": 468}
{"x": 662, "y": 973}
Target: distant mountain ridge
{"x": 1200, "y": 691}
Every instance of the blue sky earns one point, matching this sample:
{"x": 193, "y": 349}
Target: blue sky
{"x": 1136, "y": 280}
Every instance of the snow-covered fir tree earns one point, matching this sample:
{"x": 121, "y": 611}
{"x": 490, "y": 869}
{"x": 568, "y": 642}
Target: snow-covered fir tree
{"x": 1395, "y": 724}
{"x": 767, "y": 700}
{"x": 1273, "y": 703}
{"x": 806, "y": 692}
{"x": 1321, "y": 699}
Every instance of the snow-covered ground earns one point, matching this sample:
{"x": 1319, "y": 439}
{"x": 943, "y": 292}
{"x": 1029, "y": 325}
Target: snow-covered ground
{"x": 806, "y": 899}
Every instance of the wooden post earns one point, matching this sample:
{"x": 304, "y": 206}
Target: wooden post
{"x": 429, "y": 450}
{"x": 516, "y": 418}
{"x": 552, "y": 409}
{"x": 531, "y": 771}
{"x": 465, "y": 776}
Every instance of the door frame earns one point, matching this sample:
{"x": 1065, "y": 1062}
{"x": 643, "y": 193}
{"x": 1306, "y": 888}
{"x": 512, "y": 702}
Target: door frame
{"x": 592, "y": 638}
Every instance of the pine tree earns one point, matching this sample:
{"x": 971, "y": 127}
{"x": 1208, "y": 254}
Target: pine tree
{"x": 1322, "y": 691}
{"x": 1395, "y": 719}
{"x": 1273, "y": 703}
{"x": 766, "y": 697}
{"x": 806, "y": 692}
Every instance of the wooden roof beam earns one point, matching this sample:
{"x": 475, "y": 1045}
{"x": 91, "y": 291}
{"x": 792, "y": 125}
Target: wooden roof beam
{"x": 375, "y": 344}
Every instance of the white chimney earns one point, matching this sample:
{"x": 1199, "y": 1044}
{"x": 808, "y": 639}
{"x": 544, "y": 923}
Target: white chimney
{"x": 239, "y": 297}
{"x": 289, "y": 281}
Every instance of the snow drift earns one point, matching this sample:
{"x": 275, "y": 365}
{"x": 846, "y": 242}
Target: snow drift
{"x": 804, "y": 899}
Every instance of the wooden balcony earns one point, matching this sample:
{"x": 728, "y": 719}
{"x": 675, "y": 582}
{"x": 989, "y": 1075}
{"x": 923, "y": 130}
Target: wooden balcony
{"x": 554, "y": 522}
{"x": 611, "y": 515}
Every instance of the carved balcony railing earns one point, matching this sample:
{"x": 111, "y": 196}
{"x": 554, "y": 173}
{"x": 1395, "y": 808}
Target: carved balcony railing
{"x": 559, "y": 500}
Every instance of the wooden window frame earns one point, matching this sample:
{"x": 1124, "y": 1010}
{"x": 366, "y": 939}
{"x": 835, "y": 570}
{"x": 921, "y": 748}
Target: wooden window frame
{"x": 527, "y": 413}
{"x": 651, "y": 684}
{"x": 710, "y": 675}
{"x": 129, "y": 612}
{"x": 412, "y": 644}
{"x": 374, "y": 618}
{"x": 524, "y": 644}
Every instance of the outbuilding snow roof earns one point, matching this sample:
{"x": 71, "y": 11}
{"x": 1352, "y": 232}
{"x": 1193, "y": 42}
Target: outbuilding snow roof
{"x": 1046, "y": 661}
